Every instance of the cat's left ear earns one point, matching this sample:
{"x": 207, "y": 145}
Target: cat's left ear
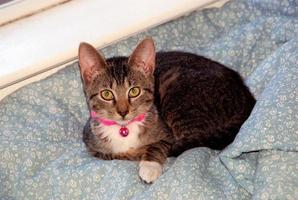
{"x": 143, "y": 57}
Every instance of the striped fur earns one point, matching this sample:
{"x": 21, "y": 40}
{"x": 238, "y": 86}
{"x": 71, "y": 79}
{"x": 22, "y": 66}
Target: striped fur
{"x": 190, "y": 101}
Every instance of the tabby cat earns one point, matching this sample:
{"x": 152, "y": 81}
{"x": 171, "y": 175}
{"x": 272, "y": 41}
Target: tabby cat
{"x": 149, "y": 106}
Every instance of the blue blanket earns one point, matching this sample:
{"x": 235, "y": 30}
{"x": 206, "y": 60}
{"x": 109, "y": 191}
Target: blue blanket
{"x": 41, "y": 151}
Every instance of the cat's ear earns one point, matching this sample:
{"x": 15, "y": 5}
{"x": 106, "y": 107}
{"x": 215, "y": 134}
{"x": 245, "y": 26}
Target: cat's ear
{"x": 143, "y": 57}
{"x": 91, "y": 62}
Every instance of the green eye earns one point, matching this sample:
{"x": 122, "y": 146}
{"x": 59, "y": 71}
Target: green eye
{"x": 134, "y": 92}
{"x": 107, "y": 95}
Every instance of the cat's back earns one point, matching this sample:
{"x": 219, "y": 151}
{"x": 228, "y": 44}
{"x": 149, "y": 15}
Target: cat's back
{"x": 189, "y": 62}
{"x": 203, "y": 102}
{"x": 190, "y": 75}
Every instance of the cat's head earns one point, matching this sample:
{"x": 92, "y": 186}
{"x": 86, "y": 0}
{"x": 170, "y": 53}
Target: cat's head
{"x": 119, "y": 88}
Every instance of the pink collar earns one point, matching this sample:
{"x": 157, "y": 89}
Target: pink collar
{"x": 108, "y": 122}
{"x": 123, "y": 131}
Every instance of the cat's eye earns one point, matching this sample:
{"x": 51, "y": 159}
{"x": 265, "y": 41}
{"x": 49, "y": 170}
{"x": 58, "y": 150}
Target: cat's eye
{"x": 134, "y": 92}
{"x": 107, "y": 95}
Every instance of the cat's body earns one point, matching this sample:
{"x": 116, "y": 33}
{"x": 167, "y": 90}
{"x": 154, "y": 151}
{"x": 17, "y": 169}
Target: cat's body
{"x": 203, "y": 102}
{"x": 187, "y": 101}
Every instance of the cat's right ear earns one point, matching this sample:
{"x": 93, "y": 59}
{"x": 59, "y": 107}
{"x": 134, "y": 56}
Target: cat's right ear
{"x": 91, "y": 62}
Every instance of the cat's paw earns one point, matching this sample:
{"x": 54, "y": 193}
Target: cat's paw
{"x": 149, "y": 171}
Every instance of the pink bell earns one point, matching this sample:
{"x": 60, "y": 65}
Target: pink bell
{"x": 123, "y": 131}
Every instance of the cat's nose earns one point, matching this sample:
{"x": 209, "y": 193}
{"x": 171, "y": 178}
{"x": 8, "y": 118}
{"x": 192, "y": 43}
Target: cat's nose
{"x": 123, "y": 113}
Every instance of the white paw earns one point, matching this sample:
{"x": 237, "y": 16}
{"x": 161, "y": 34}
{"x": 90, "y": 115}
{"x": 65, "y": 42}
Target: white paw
{"x": 149, "y": 171}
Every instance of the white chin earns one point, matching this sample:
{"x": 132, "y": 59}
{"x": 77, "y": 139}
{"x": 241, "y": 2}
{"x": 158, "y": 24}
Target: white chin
{"x": 123, "y": 122}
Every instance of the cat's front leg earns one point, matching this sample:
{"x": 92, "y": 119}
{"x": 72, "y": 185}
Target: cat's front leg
{"x": 150, "y": 170}
{"x": 152, "y": 161}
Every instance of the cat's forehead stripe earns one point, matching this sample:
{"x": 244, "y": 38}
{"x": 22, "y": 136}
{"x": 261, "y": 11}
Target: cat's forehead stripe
{"x": 118, "y": 72}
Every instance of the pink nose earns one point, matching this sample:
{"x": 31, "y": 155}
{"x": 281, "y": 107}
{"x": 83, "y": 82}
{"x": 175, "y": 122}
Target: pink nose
{"x": 123, "y": 113}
